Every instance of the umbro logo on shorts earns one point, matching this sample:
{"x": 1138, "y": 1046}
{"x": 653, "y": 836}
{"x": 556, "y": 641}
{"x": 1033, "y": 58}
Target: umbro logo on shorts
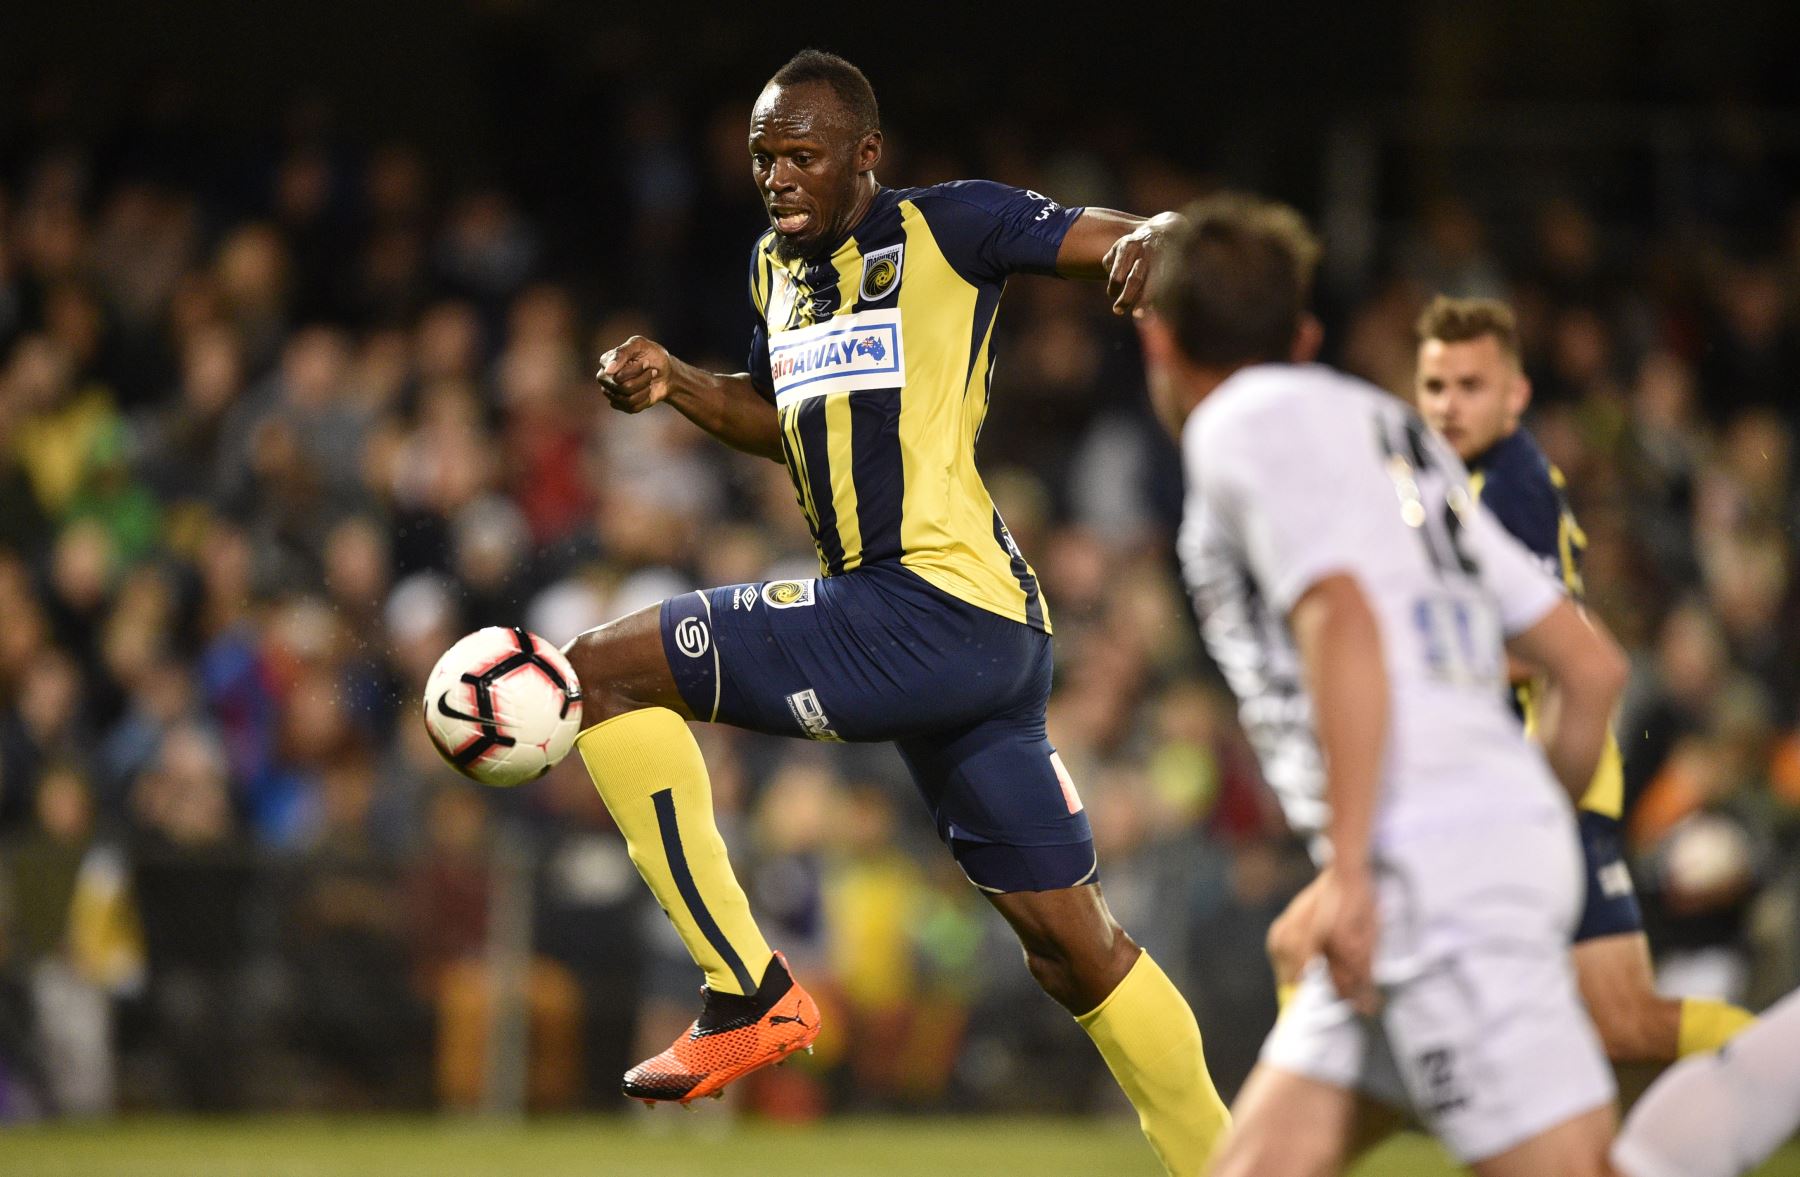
{"x": 692, "y": 637}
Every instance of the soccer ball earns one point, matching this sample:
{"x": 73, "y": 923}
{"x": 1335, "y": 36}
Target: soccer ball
{"x": 503, "y": 706}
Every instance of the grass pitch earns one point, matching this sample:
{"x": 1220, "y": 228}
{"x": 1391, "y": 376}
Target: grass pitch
{"x": 666, "y": 1144}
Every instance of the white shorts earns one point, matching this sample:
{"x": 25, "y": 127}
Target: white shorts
{"x": 1482, "y": 1033}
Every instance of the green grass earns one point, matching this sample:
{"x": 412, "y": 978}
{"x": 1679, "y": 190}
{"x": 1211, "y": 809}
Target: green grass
{"x": 667, "y": 1143}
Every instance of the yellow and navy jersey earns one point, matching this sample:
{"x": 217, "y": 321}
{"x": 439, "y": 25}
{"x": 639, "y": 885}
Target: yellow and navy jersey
{"x": 1522, "y": 487}
{"x": 878, "y": 355}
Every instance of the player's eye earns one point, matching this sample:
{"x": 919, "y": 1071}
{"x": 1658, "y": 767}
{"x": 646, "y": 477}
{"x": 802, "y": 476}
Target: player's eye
{"x": 802, "y": 158}
{"x": 759, "y": 159}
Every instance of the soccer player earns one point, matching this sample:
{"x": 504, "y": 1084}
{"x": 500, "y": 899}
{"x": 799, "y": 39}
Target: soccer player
{"x": 1471, "y": 389}
{"x": 1357, "y": 602}
{"x": 868, "y": 376}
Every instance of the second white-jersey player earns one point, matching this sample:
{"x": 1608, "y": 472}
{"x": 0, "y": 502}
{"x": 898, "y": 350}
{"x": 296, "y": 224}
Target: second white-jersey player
{"x": 1361, "y": 607}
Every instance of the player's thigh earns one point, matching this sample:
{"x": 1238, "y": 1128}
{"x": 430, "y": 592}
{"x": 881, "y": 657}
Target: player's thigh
{"x": 623, "y": 667}
{"x": 1574, "y": 1148}
{"x": 1001, "y": 799}
{"x": 1286, "y": 1125}
{"x": 873, "y": 655}
{"x": 1618, "y": 987}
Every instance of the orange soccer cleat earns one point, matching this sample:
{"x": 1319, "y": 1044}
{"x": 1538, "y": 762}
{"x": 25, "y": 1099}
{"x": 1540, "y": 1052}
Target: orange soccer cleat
{"x": 733, "y": 1036}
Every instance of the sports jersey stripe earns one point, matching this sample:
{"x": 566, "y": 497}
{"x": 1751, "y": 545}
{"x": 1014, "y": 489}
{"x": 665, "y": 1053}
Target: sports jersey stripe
{"x": 880, "y": 472}
{"x": 839, "y": 443}
{"x": 795, "y": 453}
{"x": 1034, "y": 611}
{"x": 810, "y": 425}
{"x": 845, "y": 476}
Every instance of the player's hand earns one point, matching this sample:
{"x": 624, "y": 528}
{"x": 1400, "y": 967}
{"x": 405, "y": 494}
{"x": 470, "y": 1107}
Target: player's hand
{"x": 635, "y": 375}
{"x": 1130, "y": 259}
{"x": 1347, "y": 931}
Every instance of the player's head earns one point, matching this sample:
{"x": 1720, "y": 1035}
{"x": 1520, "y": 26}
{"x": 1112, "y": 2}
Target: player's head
{"x": 815, "y": 138}
{"x": 1230, "y": 290}
{"x": 1470, "y": 386}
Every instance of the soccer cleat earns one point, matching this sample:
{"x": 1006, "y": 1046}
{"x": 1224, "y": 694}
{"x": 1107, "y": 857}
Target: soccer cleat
{"x": 733, "y": 1036}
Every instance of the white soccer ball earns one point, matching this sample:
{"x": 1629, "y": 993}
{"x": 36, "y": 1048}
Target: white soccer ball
{"x": 503, "y": 706}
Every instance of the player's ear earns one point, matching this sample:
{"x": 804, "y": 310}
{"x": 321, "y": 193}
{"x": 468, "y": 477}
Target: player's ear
{"x": 868, "y": 152}
{"x": 1308, "y": 339}
{"x": 1521, "y": 394}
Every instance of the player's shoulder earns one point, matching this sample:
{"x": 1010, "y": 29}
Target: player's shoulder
{"x": 1273, "y": 407}
{"x": 1518, "y": 468}
{"x": 980, "y": 193}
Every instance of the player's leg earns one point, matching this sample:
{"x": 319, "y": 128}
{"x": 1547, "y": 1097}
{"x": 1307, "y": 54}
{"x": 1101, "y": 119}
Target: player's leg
{"x": 1612, "y": 963}
{"x": 1574, "y": 1148}
{"x": 1140, "y": 1022}
{"x": 1286, "y": 1125}
{"x": 1636, "y": 1024}
{"x": 649, "y": 771}
{"x": 1719, "y": 1114}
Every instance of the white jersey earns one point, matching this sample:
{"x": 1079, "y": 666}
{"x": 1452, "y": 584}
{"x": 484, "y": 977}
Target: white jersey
{"x": 1298, "y": 472}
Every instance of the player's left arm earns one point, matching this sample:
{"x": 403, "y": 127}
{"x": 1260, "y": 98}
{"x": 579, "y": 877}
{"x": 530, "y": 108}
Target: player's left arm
{"x": 1116, "y": 246}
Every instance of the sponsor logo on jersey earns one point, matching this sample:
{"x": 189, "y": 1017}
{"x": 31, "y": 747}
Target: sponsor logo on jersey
{"x": 810, "y": 715}
{"x": 692, "y": 637}
{"x": 788, "y": 594}
{"x": 845, "y": 353}
{"x": 881, "y": 272}
{"x": 744, "y": 598}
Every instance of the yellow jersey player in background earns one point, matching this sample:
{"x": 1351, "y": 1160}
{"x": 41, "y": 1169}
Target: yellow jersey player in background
{"x": 1472, "y": 390}
{"x": 868, "y": 378}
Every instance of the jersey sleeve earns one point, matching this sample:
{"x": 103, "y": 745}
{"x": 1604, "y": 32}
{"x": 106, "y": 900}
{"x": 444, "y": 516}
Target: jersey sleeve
{"x": 761, "y": 378}
{"x": 989, "y": 230}
{"x": 1272, "y": 502}
{"x": 1524, "y": 591}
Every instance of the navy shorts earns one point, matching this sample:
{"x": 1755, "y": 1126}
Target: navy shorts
{"x": 1611, "y": 907}
{"x": 880, "y": 654}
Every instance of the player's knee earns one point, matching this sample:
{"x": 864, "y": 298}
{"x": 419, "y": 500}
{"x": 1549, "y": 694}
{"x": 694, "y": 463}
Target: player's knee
{"x": 1641, "y": 1028}
{"x": 596, "y": 659}
{"x": 1080, "y": 971}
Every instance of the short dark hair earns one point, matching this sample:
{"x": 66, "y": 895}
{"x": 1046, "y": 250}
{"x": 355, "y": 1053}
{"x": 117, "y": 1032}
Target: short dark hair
{"x": 845, "y": 80}
{"x": 1234, "y": 283}
{"x": 1459, "y": 320}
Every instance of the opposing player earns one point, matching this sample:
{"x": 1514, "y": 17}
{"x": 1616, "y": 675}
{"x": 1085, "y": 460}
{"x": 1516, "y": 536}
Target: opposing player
{"x": 868, "y": 377}
{"x": 1356, "y": 601}
{"x": 1472, "y": 390}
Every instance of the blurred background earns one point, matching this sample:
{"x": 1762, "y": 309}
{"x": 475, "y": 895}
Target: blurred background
{"x": 299, "y": 309}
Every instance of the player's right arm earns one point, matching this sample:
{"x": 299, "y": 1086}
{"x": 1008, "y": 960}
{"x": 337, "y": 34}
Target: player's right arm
{"x": 1339, "y": 642}
{"x": 641, "y": 372}
{"x": 1585, "y": 673}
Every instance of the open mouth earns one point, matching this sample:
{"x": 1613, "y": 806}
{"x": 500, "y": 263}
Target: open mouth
{"x": 790, "y": 220}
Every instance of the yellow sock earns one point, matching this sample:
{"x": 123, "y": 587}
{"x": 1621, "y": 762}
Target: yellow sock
{"x": 1707, "y": 1025}
{"x": 650, "y": 774}
{"x": 1151, "y": 1043}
